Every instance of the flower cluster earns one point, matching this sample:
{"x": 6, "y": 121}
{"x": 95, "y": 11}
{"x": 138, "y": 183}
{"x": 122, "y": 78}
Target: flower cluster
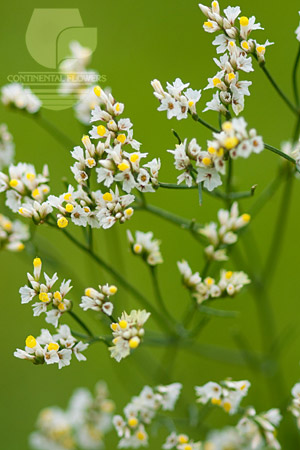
{"x": 48, "y": 297}
{"x": 260, "y": 429}
{"x": 225, "y": 233}
{"x": 116, "y": 164}
{"x": 178, "y": 101}
{"x": 141, "y": 411}
{"x": 80, "y": 81}
{"x": 181, "y": 442}
{"x": 230, "y": 283}
{"x": 13, "y": 234}
{"x": 74, "y": 67}
{"x": 295, "y": 406}
{"x": 237, "y": 47}
{"x": 7, "y": 147}
{"x": 16, "y": 95}
{"x": 84, "y": 424}
{"x": 206, "y": 165}
{"x": 128, "y": 333}
{"x": 226, "y": 438}
{"x": 146, "y": 246}
{"x": 228, "y": 394}
{"x": 56, "y": 349}
{"x": 99, "y": 300}
{"x": 27, "y": 191}
{"x": 97, "y": 209}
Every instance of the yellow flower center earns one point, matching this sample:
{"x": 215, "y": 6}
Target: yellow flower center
{"x": 107, "y": 197}
{"x": 62, "y": 222}
{"x": 101, "y": 130}
{"x": 30, "y": 342}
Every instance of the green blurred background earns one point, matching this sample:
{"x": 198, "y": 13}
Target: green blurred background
{"x": 139, "y": 41}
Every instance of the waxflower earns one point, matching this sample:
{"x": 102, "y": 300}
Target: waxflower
{"x": 7, "y": 147}
{"x": 128, "y": 333}
{"x": 56, "y": 349}
{"x": 228, "y": 394}
{"x": 84, "y": 423}
{"x": 146, "y": 246}
{"x": 13, "y": 234}
{"x": 26, "y": 191}
{"x": 235, "y": 42}
{"x": 294, "y": 408}
{"x": 178, "y": 100}
{"x": 224, "y": 233}
{"x": 229, "y": 284}
{"x": 181, "y": 442}
{"x": 16, "y": 95}
{"x": 140, "y": 412}
{"x": 206, "y": 166}
{"x": 99, "y": 300}
{"x": 51, "y": 301}
{"x": 261, "y": 429}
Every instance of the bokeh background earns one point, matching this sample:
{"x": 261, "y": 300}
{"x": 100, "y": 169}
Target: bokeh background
{"x": 139, "y": 41}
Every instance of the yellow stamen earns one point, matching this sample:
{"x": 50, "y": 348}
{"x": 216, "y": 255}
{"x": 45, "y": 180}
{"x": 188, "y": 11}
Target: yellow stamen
{"x": 260, "y": 49}
{"x": 208, "y": 24}
{"x": 13, "y": 183}
{"x": 30, "y": 342}
{"x": 67, "y": 196}
{"x": 21, "y": 247}
{"x": 88, "y": 292}
{"x": 245, "y": 45}
{"x": 216, "y": 401}
{"x": 134, "y": 342}
{"x": 35, "y": 193}
{"x": 183, "y": 439}
{"x": 97, "y": 90}
{"x": 246, "y": 217}
{"x": 137, "y": 248}
{"x": 220, "y": 152}
{"x": 121, "y": 138}
{"x": 231, "y": 142}
{"x": 114, "y": 326}
{"x": 118, "y": 107}
{"x": 206, "y": 161}
{"x": 227, "y": 126}
{"x": 62, "y": 306}
{"x": 123, "y": 166}
{"x": 228, "y": 275}
{"x": 191, "y": 103}
{"x": 57, "y": 296}
{"x": 37, "y": 262}
{"x": 227, "y": 406}
{"x": 44, "y": 297}
{"x": 53, "y": 346}
{"x": 107, "y": 197}
{"x": 101, "y": 130}
{"x": 62, "y": 222}
{"x": 132, "y": 422}
{"x": 69, "y": 207}
{"x": 231, "y": 76}
{"x": 123, "y": 324}
{"x": 216, "y": 81}
{"x": 244, "y": 21}
{"x": 134, "y": 157}
{"x": 113, "y": 289}
{"x": 30, "y": 176}
{"x": 211, "y": 150}
{"x": 141, "y": 435}
{"x": 129, "y": 212}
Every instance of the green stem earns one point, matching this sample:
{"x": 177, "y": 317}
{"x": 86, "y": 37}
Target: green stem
{"x": 292, "y": 107}
{"x": 294, "y": 77}
{"x": 281, "y": 223}
{"x": 121, "y": 280}
{"x": 177, "y": 220}
{"x": 158, "y": 295}
{"x": 81, "y": 323}
{"x": 207, "y": 125}
{"x": 280, "y": 153}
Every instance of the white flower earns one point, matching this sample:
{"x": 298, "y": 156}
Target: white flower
{"x": 22, "y": 98}
{"x": 210, "y": 177}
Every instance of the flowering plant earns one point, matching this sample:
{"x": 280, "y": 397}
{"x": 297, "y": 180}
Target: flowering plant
{"x": 112, "y": 182}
